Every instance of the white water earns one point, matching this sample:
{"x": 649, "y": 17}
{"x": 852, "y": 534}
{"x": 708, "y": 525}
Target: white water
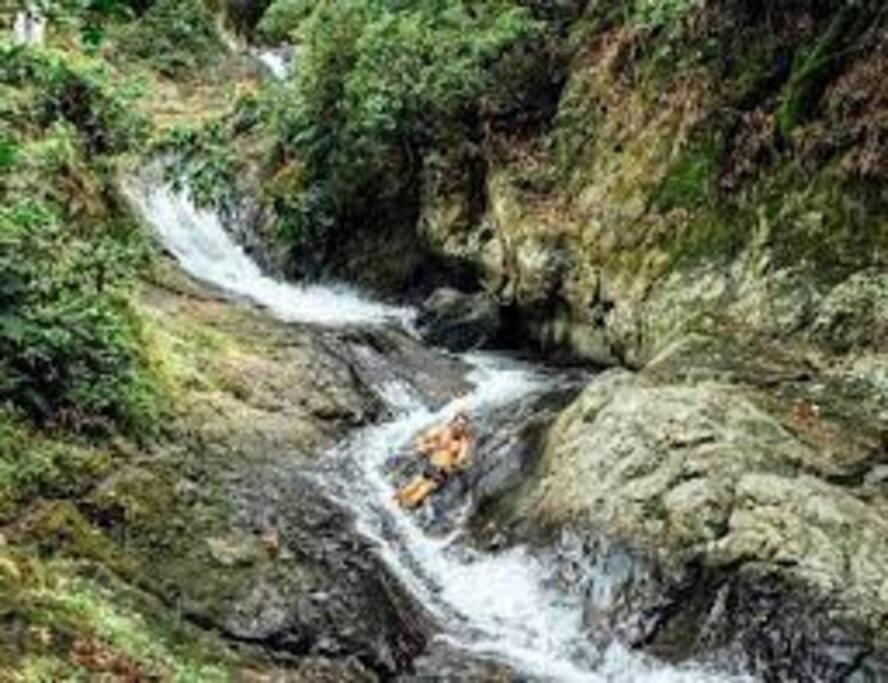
{"x": 501, "y": 606}
{"x": 29, "y": 28}
{"x": 205, "y": 250}
{"x": 276, "y": 62}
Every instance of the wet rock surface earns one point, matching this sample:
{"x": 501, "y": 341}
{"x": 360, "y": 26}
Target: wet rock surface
{"x": 725, "y": 505}
{"x": 443, "y": 663}
{"x": 223, "y": 521}
{"x": 459, "y": 321}
{"x": 731, "y": 491}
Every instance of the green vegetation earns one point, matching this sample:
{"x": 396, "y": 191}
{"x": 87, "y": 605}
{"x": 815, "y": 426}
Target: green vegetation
{"x": 33, "y": 466}
{"x": 282, "y": 19}
{"x": 688, "y": 134}
{"x": 379, "y": 84}
{"x": 82, "y": 379}
{"x": 174, "y": 37}
{"x": 692, "y": 180}
{"x": 83, "y": 624}
{"x": 657, "y": 13}
{"x": 203, "y": 160}
{"x": 812, "y": 66}
{"x": 70, "y": 344}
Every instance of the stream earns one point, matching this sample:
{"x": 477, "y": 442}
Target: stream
{"x": 513, "y": 606}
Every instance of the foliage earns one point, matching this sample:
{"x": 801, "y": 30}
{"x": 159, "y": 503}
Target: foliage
{"x": 812, "y": 66}
{"x": 70, "y": 344}
{"x": 283, "y": 18}
{"x": 203, "y": 160}
{"x": 175, "y": 37}
{"x": 656, "y": 13}
{"x": 8, "y": 151}
{"x": 56, "y": 87}
{"x": 690, "y": 183}
{"x": 33, "y": 466}
{"x": 380, "y": 83}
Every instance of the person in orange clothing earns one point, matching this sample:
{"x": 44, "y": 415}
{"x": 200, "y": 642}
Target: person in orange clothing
{"x": 448, "y": 449}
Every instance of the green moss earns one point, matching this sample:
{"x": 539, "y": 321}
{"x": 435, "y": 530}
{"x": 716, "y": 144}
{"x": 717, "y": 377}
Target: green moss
{"x": 153, "y": 644}
{"x": 712, "y": 238}
{"x": 690, "y": 183}
{"x": 829, "y": 227}
{"x": 60, "y": 528}
{"x": 34, "y": 466}
{"x": 64, "y": 620}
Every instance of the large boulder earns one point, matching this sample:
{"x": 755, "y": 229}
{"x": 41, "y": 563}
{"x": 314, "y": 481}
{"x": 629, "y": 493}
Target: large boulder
{"x": 459, "y": 321}
{"x": 743, "y": 514}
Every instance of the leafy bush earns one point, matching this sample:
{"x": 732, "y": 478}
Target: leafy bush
{"x": 70, "y": 346}
{"x": 283, "y": 18}
{"x": 378, "y": 84}
{"x": 203, "y": 160}
{"x": 54, "y": 87}
{"x": 176, "y": 37}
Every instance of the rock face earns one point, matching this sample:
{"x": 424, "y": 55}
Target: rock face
{"x": 750, "y": 497}
{"x": 220, "y": 521}
{"x": 644, "y": 211}
{"x": 459, "y": 321}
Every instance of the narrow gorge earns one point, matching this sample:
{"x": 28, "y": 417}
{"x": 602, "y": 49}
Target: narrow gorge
{"x": 249, "y": 251}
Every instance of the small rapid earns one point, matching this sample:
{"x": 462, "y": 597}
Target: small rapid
{"x": 505, "y": 606}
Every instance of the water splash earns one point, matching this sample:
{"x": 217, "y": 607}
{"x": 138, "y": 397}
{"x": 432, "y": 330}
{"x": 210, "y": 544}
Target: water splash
{"x": 205, "y": 250}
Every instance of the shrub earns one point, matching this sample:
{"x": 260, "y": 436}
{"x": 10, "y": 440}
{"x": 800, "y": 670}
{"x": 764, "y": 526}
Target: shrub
{"x": 283, "y": 18}
{"x": 378, "y": 84}
{"x": 176, "y": 37}
{"x": 78, "y": 91}
{"x": 71, "y": 348}
{"x": 70, "y": 345}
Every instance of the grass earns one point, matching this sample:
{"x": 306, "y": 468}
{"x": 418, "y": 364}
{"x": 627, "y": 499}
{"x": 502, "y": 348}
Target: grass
{"x": 78, "y": 623}
{"x": 811, "y": 67}
{"x": 34, "y": 466}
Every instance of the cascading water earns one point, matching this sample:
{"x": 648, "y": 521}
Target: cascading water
{"x": 205, "y": 250}
{"x": 276, "y": 61}
{"x": 501, "y": 606}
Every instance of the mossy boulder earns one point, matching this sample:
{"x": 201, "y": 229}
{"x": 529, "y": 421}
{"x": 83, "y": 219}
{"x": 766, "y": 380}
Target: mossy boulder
{"x": 746, "y": 486}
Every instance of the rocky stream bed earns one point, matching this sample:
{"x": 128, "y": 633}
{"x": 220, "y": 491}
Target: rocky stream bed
{"x": 674, "y": 524}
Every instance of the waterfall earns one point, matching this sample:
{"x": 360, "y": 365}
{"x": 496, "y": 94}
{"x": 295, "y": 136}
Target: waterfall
{"x": 276, "y": 61}
{"x": 500, "y": 606}
{"x": 200, "y": 243}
